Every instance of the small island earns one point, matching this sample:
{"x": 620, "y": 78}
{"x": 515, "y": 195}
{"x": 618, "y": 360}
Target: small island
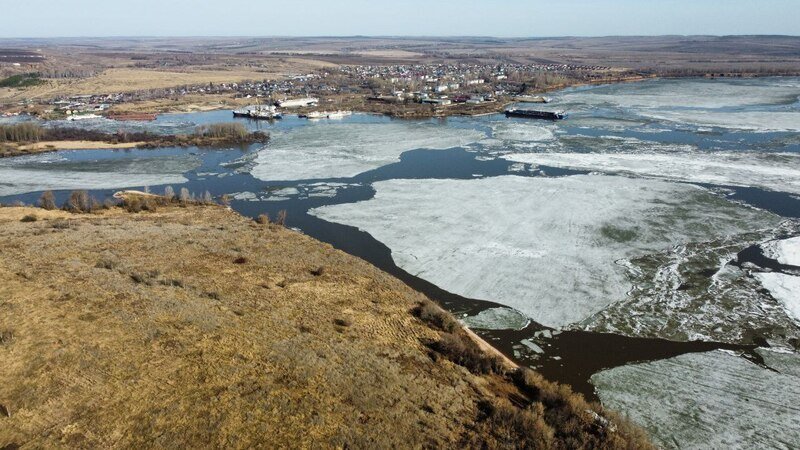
{"x": 27, "y": 138}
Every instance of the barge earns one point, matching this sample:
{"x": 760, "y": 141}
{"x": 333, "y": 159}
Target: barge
{"x": 533, "y": 114}
{"x": 258, "y": 112}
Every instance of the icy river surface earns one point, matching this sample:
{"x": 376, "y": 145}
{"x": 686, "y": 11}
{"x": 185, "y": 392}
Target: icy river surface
{"x": 644, "y": 250}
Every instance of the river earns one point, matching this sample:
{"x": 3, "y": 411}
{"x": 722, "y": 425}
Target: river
{"x": 641, "y": 251}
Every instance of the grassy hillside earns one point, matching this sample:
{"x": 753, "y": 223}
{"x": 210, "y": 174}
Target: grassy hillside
{"x": 192, "y": 327}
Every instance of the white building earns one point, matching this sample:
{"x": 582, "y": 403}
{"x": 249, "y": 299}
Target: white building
{"x": 298, "y": 102}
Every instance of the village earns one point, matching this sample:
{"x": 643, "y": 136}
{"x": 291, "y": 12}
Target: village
{"x": 354, "y": 86}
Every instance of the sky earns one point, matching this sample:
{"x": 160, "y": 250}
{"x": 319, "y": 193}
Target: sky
{"x": 501, "y": 18}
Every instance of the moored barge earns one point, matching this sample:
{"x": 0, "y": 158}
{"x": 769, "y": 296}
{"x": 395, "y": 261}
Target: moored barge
{"x": 533, "y": 114}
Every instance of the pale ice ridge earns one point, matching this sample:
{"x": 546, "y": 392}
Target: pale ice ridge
{"x": 544, "y": 246}
{"x": 785, "y": 251}
{"x": 707, "y": 400}
{"x": 773, "y": 171}
{"x": 338, "y": 150}
{"x": 785, "y": 289}
{"x": 53, "y": 172}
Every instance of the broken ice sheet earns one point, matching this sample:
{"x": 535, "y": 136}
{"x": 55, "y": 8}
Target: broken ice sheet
{"x": 708, "y": 400}
{"x": 546, "y": 247}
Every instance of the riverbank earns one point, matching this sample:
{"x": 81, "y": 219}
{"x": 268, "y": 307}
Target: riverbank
{"x": 194, "y": 325}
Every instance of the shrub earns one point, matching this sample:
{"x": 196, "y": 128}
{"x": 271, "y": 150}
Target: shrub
{"x": 60, "y": 224}
{"x": 80, "y": 202}
{"x": 29, "y": 218}
{"x": 132, "y": 204}
{"x": 169, "y": 193}
{"x": 47, "y": 200}
{"x": 343, "y": 321}
{"x": 507, "y": 426}
{"x": 263, "y": 219}
{"x": 235, "y": 131}
{"x": 433, "y": 315}
{"x": 184, "y": 195}
{"x": 281, "y": 218}
{"x": 21, "y": 132}
{"x": 240, "y": 260}
{"x": 461, "y": 350}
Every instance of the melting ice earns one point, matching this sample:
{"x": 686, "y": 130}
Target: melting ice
{"x": 334, "y": 150}
{"x": 544, "y": 246}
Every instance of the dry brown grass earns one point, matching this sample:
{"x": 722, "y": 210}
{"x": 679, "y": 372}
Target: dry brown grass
{"x": 142, "y": 331}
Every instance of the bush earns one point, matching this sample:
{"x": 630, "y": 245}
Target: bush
{"x": 235, "y": 131}
{"x": 80, "y": 202}
{"x": 47, "y": 200}
{"x": 184, "y": 195}
{"x": 263, "y": 219}
{"x": 461, "y": 350}
{"x": 29, "y": 218}
{"x": 433, "y": 315}
{"x": 21, "y": 132}
{"x": 281, "y": 218}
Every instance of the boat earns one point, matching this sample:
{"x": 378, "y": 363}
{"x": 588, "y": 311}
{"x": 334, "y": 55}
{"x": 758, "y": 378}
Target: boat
{"x": 316, "y": 115}
{"x": 533, "y": 114}
{"x": 258, "y": 112}
{"x": 75, "y": 117}
{"x": 339, "y": 114}
{"x": 531, "y": 99}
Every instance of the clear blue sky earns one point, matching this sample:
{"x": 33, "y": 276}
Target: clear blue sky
{"x": 53, "y": 18}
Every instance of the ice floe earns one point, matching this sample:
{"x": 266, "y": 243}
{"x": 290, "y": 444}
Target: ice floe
{"x": 334, "y": 150}
{"x": 774, "y": 171}
{"x": 527, "y": 131}
{"x": 708, "y": 400}
{"x": 785, "y": 289}
{"x": 689, "y": 94}
{"x": 546, "y": 247}
{"x": 786, "y": 251}
{"x": 497, "y": 319}
{"x": 696, "y": 292}
{"x": 55, "y": 172}
{"x": 762, "y": 105}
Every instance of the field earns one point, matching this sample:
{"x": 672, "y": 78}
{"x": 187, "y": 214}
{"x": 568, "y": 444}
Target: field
{"x": 98, "y": 66}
